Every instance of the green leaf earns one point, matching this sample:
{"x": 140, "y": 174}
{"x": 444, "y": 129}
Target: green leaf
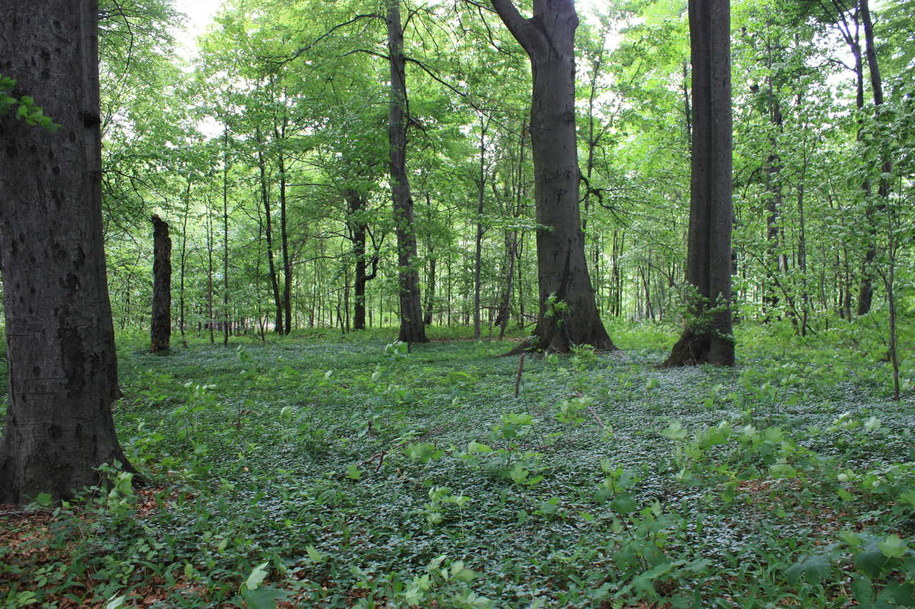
{"x": 870, "y": 561}
{"x": 862, "y": 589}
{"x": 675, "y": 431}
{"x": 422, "y": 452}
{"x": 116, "y": 602}
{"x": 314, "y": 554}
{"x": 44, "y": 500}
{"x": 353, "y": 472}
{"x": 900, "y": 595}
{"x": 908, "y": 497}
{"x": 782, "y": 470}
{"x": 263, "y": 598}
{"x": 893, "y": 547}
{"x": 257, "y": 577}
{"x": 812, "y": 569}
{"x": 624, "y": 504}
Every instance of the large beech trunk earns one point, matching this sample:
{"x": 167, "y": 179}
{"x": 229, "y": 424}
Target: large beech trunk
{"x": 161, "y": 330}
{"x": 568, "y": 311}
{"x": 412, "y": 329}
{"x": 708, "y": 334}
{"x": 60, "y": 338}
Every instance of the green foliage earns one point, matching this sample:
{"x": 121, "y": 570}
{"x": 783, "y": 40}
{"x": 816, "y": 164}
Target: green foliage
{"x": 23, "y": 107}
{"x": 270, "y": 481}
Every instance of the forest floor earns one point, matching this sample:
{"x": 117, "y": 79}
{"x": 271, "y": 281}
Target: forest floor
{"x": 325, "y": 472}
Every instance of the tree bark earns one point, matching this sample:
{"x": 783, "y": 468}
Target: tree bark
{"x": 268, "y": 238}
{"x": 568, "y": 312}
{"x": 358, "y": 227}
{"x": 866, "y": 291}
{"x": 60, "y": 336}
{"x": 226, "y": 316}
{"x": 161, "y": 331}
{"x": 708, "y": 337}
{"x": 284, "y": 232}
{"x": 481, "y": 231}
{"x": 412, "y": 329}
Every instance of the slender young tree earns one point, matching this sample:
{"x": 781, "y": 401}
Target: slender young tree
{"x": 707, "y": 337}
{"x": 60, "y": 337}
{"x": 568, "y": 311}
{"x": 412, "y": 329}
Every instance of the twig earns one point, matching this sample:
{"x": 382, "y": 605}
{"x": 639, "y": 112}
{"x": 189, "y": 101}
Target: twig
{"x": 520, "y": 370}
{"x": 379, "y": 456}
{"x": 596, "y": 416}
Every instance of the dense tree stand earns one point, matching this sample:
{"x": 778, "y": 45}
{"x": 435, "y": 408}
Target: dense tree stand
{"x": 60, "y": 337}
{"x": 707, "y": 337}
{"x": 568, "y": 310}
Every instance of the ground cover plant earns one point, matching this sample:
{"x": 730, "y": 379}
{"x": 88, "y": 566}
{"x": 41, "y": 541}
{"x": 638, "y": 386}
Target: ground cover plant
{"x": 315, "y": 471}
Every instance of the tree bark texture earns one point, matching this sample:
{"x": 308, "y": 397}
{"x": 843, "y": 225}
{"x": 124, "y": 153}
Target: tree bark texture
{"x": 708, "y": 337}
{"x": 568, "y": 310}
{"x": 412, "y": 329}
{"x": 60, "y": 337}
{"x": 161, "y": 330}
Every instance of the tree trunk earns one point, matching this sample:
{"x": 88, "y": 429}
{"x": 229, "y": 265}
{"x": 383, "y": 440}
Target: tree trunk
{"x": 412, "y": 329}
{"x": 182, "y": 321}
{"x": 429, "y": 309}
{"x": 568, "y": 312}
{"x": 268, "y": 238}
{"x": 210, "y": 272}
{"x": 226, "y": 321}
{"x": 866, "y": 292}
{"x": 708, "y": 337}
{"x": 481, "y": 230}
{"x": 161, "y": 331}
{"x": 60, "y": 336}
{"x": 358, "y": 227}
{"x": 284, "y": 247}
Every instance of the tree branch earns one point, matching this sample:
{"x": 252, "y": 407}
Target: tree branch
{"x": 520, "y": 27}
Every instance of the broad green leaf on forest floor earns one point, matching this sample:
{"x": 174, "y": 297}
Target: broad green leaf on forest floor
{"x": 893, "y": 546}
{"x": 257, "y": 577}
{"x": 782, "y": 470}
{"x": 675, "y": 431}
{"x": 812, "y": 569}
{"x": 423, "y": 452}
{"x": 908, "y": 497}
{"x": 314, "y": 554}
{"x": 116, "y": 602}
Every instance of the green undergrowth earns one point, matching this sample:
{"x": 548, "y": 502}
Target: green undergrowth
{"x": 317, "y": 471}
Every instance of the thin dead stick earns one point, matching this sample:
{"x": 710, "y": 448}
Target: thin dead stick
{"x": 596, "y": 416}
{"x": 520, "y": 370}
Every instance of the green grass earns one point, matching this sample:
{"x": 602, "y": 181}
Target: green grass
{"x": 349, "y": 473}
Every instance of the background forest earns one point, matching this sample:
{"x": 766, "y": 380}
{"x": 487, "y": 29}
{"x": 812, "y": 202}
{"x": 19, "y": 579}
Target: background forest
{"x": 268, "y": 158}
{"x": 339, "y": 467}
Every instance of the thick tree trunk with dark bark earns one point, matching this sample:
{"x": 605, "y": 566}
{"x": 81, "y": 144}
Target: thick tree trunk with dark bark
{"x": 412, "y": 329}
{"x": 161, "y": 331}
{"x": 568, "y": 311}
{"x": 60, "y": 338}
{"x": 708, "y": 337}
